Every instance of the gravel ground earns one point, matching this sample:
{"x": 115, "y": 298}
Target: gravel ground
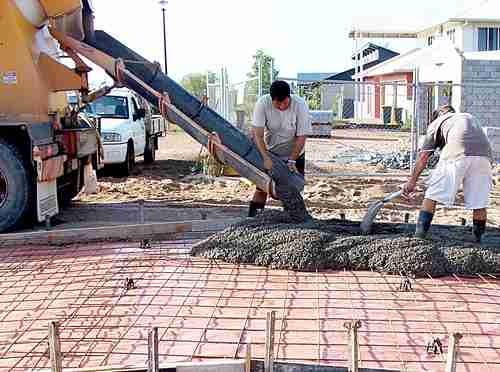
{"x": 168, "y": 184}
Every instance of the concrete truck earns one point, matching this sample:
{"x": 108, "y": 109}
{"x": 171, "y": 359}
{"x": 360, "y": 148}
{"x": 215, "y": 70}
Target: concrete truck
{"x": 44, "y": 143}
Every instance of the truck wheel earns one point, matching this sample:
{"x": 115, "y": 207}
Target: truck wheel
{"x": 150, "y": 151}
{"x": 129, "y": 163}
{"x": 16, "y": 188}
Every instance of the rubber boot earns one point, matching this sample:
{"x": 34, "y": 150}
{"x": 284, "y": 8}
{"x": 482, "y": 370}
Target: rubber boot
{"x": 423, "y": 224}
{"x": 478, "y": 229}
{"x": 255, "y": 208}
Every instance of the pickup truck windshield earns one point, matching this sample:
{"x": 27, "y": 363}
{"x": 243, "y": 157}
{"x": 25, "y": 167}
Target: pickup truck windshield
{"x": 109, "y": 107}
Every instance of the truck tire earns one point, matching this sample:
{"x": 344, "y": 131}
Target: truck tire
{"x": 16, "y": 188}
{"x": 150, "y": 151}
{"x": 128, "y": 165}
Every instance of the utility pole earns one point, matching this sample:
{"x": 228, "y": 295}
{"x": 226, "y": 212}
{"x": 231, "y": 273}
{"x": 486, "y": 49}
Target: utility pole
{"x": 163, "y": 4}
{"x": 271, "y": 71}
{"x": 260, "y": 78}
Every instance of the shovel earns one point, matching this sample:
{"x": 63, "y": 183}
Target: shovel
{"x": 373, "y": 208}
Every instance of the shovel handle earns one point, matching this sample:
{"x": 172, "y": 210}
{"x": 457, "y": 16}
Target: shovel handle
{"x": 394, "y": 195}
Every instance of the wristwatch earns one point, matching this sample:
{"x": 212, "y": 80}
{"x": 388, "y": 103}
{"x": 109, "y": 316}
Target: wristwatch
{"x": 291, "y": 161}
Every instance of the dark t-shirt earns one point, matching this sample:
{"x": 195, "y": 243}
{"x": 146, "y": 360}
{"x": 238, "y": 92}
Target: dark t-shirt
{"x": 457, "y": 135}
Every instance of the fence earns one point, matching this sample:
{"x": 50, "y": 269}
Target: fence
{"x": 400, "y": 105}
{"x": 106, "y": 297}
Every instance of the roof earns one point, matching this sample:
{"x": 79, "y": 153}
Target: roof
{"x": 385, "y": 54}
{"x": 370, "y": 47}
{"x": 342, "y": 76}
{"x": 485, "y": 11}
{"x": 402, "y": 63}
{"x": 382, "y": 33}
{"x": 485, "y": 56}
{"x": 313, "y": 76}
{"x": 407, "y": 62}
{"x": 121, "y": 92}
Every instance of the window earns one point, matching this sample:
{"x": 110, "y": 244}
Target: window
{"x": 430, "y": 40}
{"x": 450, "y": 34}
{"x": 488, "y": 38}
{"x": 109, "y": 107}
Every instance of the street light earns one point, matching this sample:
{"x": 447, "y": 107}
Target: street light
{"x": 163, "y": 4}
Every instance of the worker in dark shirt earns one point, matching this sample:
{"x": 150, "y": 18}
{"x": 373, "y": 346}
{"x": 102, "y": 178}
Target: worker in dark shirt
{"x": 465, "y": 160}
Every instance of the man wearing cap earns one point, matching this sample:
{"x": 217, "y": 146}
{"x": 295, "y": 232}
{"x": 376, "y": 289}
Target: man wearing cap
{"x": 465, "y": 160}
{"x": 281, "y": 124}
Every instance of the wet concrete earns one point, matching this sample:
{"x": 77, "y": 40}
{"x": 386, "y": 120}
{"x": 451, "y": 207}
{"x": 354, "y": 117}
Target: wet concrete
{"x": 274, "y": 241}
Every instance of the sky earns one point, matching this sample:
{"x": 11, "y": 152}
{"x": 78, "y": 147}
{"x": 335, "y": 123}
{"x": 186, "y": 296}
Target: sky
{"x": 302, "y": 36}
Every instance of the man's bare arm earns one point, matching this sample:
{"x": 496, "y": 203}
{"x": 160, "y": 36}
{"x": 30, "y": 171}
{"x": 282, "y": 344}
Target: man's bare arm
{"x": 300, "y": 142}
{"x": 258, "y": 137}
{"x": 421, "y": 164}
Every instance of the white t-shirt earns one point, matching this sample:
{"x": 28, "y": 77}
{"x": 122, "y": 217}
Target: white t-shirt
{"x": 281, "y": 127}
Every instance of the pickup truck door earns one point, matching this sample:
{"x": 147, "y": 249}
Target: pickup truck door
{"x": 139, "y": 130}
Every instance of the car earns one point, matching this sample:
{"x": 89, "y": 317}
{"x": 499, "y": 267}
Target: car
{"x": 128, "y": 129}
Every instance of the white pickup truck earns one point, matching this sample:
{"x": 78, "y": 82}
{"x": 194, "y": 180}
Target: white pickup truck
{"x": 128, "y": 128}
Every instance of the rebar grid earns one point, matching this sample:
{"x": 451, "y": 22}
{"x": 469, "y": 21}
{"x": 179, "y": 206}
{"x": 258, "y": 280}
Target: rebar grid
{"x": 207, "y": 310}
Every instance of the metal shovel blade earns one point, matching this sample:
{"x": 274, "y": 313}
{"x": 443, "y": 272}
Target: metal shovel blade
{"x": 373, "y": 209}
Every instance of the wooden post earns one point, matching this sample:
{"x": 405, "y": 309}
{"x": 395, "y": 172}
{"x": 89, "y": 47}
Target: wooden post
{"x": 248, "y": 358}
{"x": 353, "y": 344}
{"x": 269, "y": 356}
{"x": 394, "y": 103}
{"x": 451, "y": 357}
{"x": 55, "y": 347}
{"x": 141, "y": 211}
{"x": 153, "y": 357}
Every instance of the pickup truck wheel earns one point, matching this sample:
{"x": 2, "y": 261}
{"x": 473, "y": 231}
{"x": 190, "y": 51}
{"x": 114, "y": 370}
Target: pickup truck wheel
{"x": 16, "y": 188}
{"x": 129, "y": 163}
{"x": 150, "y": 151}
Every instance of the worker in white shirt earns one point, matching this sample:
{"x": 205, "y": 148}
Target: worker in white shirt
{"x": 281, "y": 124}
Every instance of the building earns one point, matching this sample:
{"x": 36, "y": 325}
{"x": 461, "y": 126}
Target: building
{"x": 310, "y": 77}
{"x": 339, "y": 95}
{"x": 451, "y": 57}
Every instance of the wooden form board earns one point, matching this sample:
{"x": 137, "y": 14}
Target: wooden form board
{"x": 124, "y": 232}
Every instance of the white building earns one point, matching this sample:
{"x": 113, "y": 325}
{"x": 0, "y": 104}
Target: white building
{"x": 456, "y": 62}
{"x": 475, "y": 30}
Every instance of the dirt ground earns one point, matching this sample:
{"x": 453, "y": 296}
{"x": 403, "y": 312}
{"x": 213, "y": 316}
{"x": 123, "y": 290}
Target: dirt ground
{"x": 172, "y": 192}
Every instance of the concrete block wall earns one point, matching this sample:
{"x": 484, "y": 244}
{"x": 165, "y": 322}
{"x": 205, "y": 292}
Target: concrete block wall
{"x": 481, "y": 97}
{"x": 481, "y": 91}
{"x": 494, "y": 137}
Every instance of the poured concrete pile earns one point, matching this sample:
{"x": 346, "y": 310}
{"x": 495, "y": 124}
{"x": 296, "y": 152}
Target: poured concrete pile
{"x": 288, "y": 187}
{"x": 321, "y": 245}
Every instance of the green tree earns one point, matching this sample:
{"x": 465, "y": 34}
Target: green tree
{"x": 313, "y": 97}
{"x": 195, "y": 83}
{"x": 262, "y": 63}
